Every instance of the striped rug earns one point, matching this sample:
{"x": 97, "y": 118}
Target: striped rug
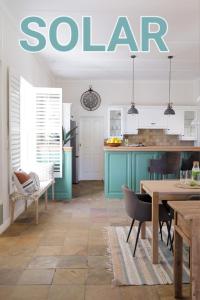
{"x": 139, "y": 270}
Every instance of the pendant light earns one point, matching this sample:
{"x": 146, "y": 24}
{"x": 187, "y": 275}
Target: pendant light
{"x": 133, "y": 110}
{"x": 169, "y": 110}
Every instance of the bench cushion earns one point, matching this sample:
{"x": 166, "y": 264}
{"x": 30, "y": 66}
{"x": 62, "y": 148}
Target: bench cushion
{"x": 44, "y": 185}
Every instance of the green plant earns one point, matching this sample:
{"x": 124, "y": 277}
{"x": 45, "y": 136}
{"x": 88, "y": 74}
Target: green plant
{"x": 67, "y": 136}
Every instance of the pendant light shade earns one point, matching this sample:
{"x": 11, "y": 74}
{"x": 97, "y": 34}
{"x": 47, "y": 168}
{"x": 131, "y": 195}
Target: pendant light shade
{"x": 133, "y": 110}
{"x": 169, "y": 110}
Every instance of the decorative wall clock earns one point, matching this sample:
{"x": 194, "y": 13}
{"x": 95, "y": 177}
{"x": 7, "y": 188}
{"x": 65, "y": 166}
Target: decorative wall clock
{"x": 90, "y": 100}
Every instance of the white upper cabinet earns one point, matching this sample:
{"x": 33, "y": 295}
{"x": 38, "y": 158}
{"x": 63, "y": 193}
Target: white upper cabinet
{"x": 190, "y": 125}
{"x": 152, "y": 118}
{"x": 175, "y": 123}
{"x": 115, "y": 122}
{"x": 184, "y": 123}
{"x": 130, "y": 122}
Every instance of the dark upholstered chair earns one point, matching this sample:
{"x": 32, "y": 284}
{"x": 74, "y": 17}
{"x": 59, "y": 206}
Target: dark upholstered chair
{"x": 138, "y": 207}
{"x": 169, "y": 163}
{"x": 172, "y": 162}
{"x": 156, "y": 166}
{"x": 187, "y": 163}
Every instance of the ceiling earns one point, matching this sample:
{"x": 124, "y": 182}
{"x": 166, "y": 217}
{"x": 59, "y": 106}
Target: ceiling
{"x": 183, "y": 37}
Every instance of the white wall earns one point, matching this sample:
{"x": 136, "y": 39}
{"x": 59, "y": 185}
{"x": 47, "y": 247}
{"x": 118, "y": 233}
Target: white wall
{"x": 33, "y": 70}
{"x": 119, "y": 92}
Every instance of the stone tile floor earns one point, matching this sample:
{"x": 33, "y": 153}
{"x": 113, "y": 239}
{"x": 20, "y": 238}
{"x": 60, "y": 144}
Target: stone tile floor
{"x": 64, "y": 257}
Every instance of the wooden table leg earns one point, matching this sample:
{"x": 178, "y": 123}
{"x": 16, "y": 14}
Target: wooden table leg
{"x": 194, "y": 260}
{"x": 143, "y": 228}
{"x": 178, "y": 264}
{"x": 155, "y": 218}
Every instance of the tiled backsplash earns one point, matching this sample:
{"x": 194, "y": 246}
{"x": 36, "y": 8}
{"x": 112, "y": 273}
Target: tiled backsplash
{"x": 155, "y": 137}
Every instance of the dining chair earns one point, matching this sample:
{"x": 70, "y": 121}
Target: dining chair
{"x": 187, "y": 163}
{"x": 138, "y": 207}
{"x": 169, "y": 163}
{"x": 156, "y": 167}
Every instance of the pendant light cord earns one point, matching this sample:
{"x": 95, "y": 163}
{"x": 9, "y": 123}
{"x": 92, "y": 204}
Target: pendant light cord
{"x": 133, "y": 87}
{"x": 170, "y": 76}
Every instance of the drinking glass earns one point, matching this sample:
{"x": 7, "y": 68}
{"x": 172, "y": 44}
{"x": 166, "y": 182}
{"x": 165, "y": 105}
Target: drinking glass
{"x": 183, "y": 176}
{"x": 188, "y": 177}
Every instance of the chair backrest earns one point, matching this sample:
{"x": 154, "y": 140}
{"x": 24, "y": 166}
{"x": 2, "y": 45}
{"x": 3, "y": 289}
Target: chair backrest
{"x": 131, "y": 201}
{"x": 187, "y": 164}
{"x": 135, "y": 208}
{"x": 172, "y": 162}
{"x": 156, "y": 166}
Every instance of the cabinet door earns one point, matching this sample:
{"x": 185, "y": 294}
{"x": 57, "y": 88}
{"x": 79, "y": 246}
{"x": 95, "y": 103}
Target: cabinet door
{"x": 190, "y": 125}
{"x": 117, "y": 173}
{"x": 140, "y": 163}
{"x": 115, "y": 122}
{"x": 130, "y": 122}
{"x": 175, "y": 123}
{"x": 152, "y": 118}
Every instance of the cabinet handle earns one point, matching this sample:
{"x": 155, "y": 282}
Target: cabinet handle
{"x": 153, "y": 123}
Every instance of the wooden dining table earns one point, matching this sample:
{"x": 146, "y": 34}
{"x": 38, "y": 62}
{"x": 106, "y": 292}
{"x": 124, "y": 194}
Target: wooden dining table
{"x": 187, "y": 229}
{"x": 162, "y": 190}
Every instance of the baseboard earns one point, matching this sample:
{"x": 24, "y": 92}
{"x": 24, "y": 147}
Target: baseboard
{"x": 5, "y": 225}
{"x": 7, "y": 222}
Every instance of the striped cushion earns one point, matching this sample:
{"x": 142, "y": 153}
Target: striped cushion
{"x": 29, "y": 186}
{"x": 36, "y": 180}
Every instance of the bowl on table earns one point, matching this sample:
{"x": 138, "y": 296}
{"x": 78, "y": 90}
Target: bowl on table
{"x": 113, "y": 144}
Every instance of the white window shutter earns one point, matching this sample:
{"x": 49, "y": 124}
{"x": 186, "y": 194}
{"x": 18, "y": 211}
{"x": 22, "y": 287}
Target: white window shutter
{"x": 48, "y": 127}
{"x": 14, "y": 120}
{"x": 14, "y": 124}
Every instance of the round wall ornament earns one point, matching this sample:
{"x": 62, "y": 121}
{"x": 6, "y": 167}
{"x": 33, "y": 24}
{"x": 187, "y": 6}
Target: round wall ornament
{"x": 90, "y": 100}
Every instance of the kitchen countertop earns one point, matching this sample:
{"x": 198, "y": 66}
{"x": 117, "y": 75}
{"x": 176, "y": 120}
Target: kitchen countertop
{"x": 67, "y": 149}
{"x": 153, "y": 148}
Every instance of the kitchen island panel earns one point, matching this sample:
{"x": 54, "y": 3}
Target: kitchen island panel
{"x": 129, "y": 168}
{"x": 117, "y": 173}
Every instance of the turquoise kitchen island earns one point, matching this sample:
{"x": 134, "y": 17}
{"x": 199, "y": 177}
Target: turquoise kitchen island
{"x": 129, "y": 165}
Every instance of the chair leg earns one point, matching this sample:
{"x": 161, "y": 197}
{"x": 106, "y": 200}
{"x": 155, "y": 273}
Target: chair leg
{"x": 12, "y": 211}
{"x": 171, "y": 248}
{"x": 136, "y": 242}
{"x": 169, "y": 235}
{"x": 161, "y": 225}
{"x": 26, "y": 205}
{"x": 53, "y": 191}
{"x": 170, "y": 224}
{"x": 46, "y": 199}
{"x": 130, "y": 230}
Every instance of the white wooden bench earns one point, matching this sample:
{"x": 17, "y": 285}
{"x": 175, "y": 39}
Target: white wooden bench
{"x": 46, "y": 176}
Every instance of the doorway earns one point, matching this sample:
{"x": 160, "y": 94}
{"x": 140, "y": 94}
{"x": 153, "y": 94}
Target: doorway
{"x": 91, "y": 131}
